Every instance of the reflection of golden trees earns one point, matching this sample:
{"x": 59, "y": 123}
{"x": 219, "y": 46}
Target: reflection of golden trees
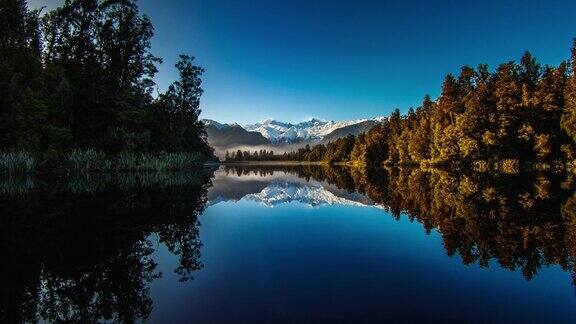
{"x": 517, "y": 220}
{"x": 522, "y": 221}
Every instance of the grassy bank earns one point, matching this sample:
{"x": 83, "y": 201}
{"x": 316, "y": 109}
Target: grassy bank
{"x": 90, "y": 160}
{"x": 504, "y": 166}
{"x": 273, "y": 163}
{"x": 17, "y": 163}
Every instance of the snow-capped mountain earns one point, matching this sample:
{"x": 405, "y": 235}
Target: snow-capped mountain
{"x": 277, "y": 193}
{"x": 215, "y": 124}
{"x": 311, "y": 130}
{"x": 272, "y": 132}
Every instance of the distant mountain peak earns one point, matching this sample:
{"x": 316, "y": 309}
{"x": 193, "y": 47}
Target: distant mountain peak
{"x": 210, "y": 122}
{"x": 277, "y": 133}
{"x": 223, "y": 136}
{"x": 314, "y": 129}
{"x": 316, "y": 120}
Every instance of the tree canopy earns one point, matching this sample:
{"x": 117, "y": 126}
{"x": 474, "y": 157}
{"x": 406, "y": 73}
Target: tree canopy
{"x": 81, "y": 76}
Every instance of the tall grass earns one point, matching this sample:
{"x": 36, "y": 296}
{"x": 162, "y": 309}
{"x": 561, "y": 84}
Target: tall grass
{"x": 86, "y": 160}
{"x": 17, "y": 185}
{"x": 17, "y": 163}
{"x": 91, "y": 160}
{"x": 126, "y": 161}
{"x": 170, "y": 161}
{"x": 157, "y": 162}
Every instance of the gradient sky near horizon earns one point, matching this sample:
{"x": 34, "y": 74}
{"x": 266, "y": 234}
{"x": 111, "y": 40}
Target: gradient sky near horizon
{"x": 337, "y": 60}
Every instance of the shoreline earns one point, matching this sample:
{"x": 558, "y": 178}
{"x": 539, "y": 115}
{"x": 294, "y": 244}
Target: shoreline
{"x": 269, "y": 163}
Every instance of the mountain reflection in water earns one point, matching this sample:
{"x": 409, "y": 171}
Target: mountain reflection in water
{"x": 81, "y": 249}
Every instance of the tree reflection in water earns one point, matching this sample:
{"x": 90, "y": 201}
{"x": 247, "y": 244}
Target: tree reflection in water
{"x": 81, "y": 249}
{"x": 522, "y": 221}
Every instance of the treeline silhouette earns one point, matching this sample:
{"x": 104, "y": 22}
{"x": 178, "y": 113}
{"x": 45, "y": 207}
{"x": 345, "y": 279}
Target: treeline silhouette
{"x": 336, "y": 151}
{"x": 81, "y": 77}
{"x": 521, "y": 114}
{"x": 81, "y": 249}
{"x": 239, "y": 155}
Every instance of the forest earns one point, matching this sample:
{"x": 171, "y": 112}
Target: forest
{"x": 522, "y": 115}
{"x": 77, "y": 89}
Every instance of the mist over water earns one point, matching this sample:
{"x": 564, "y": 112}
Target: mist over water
{"x": 276, "y": 148}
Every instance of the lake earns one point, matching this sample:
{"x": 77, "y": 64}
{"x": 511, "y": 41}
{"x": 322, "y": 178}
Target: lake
{"x": 289, "y": 244}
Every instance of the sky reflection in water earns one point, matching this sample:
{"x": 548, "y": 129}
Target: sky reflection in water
{"x": 282, "y": 244}
{"x": 291, "y": 249}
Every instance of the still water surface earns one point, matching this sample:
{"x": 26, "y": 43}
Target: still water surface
{"x": 284, "y": 244}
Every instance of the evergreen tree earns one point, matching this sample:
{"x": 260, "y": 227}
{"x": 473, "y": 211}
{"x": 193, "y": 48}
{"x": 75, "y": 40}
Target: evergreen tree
{"x": 22, "y": 107}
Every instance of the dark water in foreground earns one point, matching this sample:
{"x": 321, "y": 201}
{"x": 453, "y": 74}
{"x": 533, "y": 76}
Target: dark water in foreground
{"x": 284, "y": 244}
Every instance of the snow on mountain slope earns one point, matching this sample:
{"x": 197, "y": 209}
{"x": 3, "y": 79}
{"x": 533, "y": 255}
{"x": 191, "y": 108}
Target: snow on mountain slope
{"x": 277, "y": 193}
{"x": 278, "y": 187}
{"x": 210, "y": 122}
{"x": 314, "y": 129}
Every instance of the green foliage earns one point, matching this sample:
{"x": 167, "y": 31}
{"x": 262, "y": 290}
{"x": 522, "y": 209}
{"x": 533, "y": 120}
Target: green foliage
{"x": 16, "y": 186}
{"x": 17, "y": 163}
{"x": 168, "y": 161}
{"x": 119, "y": 215}
{"x": 175, "y": 124}
{"x": 90, "y": 160}
{"x": 88, "y": 84}
{"x": 80, "y": 160}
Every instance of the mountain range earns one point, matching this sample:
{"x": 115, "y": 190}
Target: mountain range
{"x": 225, "y": 136}
{"x": 278, "y": 188}
{"x": 276, "y": 133}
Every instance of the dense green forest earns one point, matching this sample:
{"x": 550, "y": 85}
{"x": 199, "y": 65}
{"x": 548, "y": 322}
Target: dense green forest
{"x": 76, "y": 85}
{"x": 521, "y": 114}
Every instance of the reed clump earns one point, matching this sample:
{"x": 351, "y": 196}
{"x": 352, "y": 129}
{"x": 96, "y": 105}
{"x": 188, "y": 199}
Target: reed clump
{"x": 86, "y": 160}
{"x": 17, "y": 163}
{"x": 89, "y": 160}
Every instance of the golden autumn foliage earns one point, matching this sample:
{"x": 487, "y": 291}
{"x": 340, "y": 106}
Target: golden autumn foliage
{"x": 520, "y": 116}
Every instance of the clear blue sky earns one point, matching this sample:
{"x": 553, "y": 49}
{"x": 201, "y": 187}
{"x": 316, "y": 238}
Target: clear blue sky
{"x": 296, "y": 59}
